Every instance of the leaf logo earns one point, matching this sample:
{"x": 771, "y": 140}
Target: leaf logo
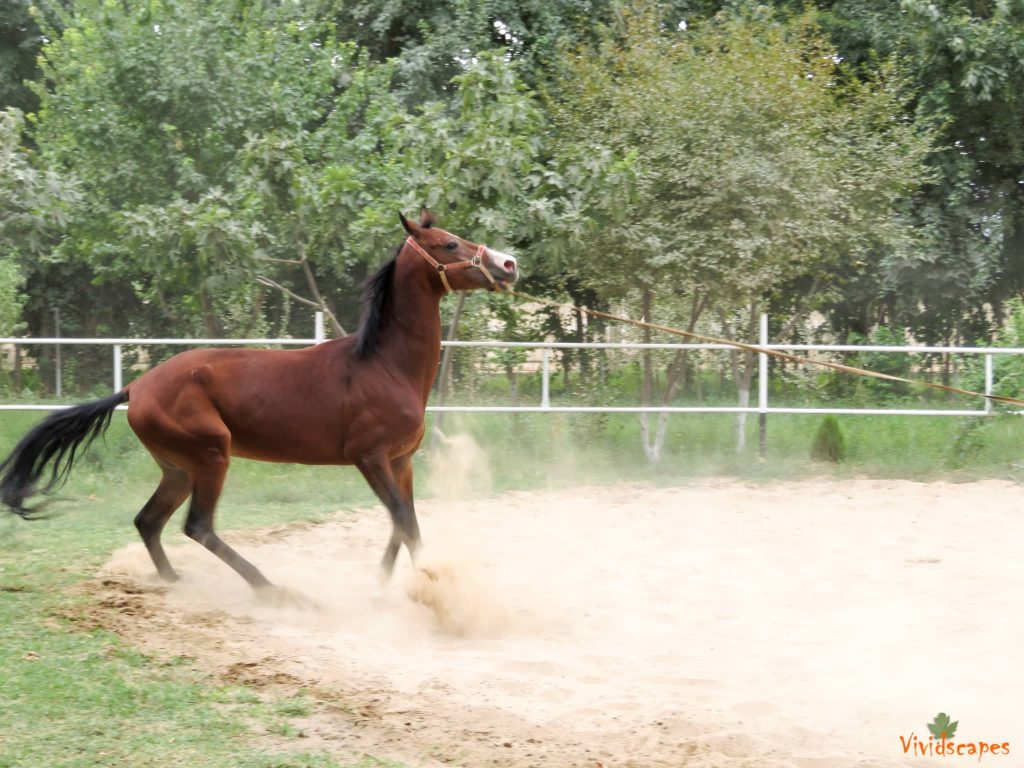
{"x": 941, "y": 727}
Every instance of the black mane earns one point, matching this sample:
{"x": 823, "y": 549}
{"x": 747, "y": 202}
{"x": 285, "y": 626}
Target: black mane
{"x": 376, "y": 302}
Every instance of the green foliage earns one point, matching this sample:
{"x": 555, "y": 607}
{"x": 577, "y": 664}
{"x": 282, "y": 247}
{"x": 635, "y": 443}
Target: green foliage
{"x": 248, "y": 139}
{"x": 754, "y": 164}
{"x": 890, "y": 363}
{"x": 19, "y": 43}
{"x": 968, "y": 443}
{"x": 965, "y": 59}
{"x": 36, "y": 202}
{"x": 1007, "y": 369}
{"x": 859, "y": 157}
{"x": 430, "y": 40}
{"x": 10, "y": 297}
{"x": 486, "y": 162}
{"x": 828, "y": 444}
{"x": 331, "y": 189}
{"x": 186, "y": 92}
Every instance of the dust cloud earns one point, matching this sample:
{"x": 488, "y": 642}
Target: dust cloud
{"x": 458, "y": 468}
{"x": 806, "y": 624}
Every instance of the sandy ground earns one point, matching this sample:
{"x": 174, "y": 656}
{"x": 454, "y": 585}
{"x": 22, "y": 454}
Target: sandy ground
{"x": 807, "y": 624}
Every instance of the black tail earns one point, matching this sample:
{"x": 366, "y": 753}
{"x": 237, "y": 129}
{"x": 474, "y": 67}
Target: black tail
{"x": 52, "y": 442}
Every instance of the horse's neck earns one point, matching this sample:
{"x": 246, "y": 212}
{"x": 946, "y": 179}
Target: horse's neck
{"x": 410, "y": 340}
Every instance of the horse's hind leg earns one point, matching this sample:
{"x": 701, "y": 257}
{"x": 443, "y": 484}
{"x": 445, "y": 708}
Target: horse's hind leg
{"x": 392, "y": 482}
{"x": 207, "y": 484}
{"x": 174, "y": 488}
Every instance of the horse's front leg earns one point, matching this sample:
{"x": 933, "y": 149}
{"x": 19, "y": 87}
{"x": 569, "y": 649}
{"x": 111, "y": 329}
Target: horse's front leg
{"x": 391, "y": 480}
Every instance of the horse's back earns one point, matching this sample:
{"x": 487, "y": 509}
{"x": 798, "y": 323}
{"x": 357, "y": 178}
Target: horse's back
{"x": 260, "y": 403}
{"x": 318, "y": 405}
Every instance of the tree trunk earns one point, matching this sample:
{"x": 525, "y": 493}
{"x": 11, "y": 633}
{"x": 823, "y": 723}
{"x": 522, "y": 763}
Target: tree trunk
{"x": 314, "y": 289}
{"x": 1011, "y": 281}
{"x": 513, "y": 383}
{"x": 742, "y": 375}
{"x": 584, "y": 357}
{"x": 17, "y": 369}
{"x": 257, "y": 314}
{"x": 744, "y": 402}
{"x": 214, "y": 330}
{"x": 581, "y": 298}
{"x": 676, "y": 374}
{"x": 597, "y": 331}
{"x": 651, "y": 451}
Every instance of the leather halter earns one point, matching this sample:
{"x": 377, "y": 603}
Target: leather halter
{"x": 477, "y": 261}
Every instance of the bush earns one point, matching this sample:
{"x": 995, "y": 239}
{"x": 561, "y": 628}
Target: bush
{"x": 1008, "y": 370}
{"x": 828, "y": 442}
{"x": 968, "y": 443}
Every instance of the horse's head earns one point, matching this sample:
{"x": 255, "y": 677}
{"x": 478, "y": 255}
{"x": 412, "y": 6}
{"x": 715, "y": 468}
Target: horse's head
{"x": 461, "y": 265}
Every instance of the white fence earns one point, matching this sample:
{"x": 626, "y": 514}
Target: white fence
{"x": 763, "y": 406}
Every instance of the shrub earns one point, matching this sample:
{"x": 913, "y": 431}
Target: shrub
{"x": 828, "y": 442}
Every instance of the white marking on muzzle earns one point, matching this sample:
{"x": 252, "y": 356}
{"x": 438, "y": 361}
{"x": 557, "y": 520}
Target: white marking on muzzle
{"x": 504, "y": 263}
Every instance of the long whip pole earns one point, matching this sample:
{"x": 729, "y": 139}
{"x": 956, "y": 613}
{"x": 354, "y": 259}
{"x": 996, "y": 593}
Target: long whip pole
{"x": 763, "y": 351}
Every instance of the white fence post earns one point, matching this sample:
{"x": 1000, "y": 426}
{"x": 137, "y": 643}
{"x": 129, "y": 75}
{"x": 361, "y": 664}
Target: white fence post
{"x": 117, "y": 368}
{"x": 989, "y": 379}
{"x": 58, "y": 362}
{"x": 545, "y": 380}
{"x": 762, "y": 388}
{"x": 318, "y": 326}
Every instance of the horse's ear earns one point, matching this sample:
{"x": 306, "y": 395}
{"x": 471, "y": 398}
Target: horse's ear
{"x": 426, "y": 218}
{"x": 409, "y": 227}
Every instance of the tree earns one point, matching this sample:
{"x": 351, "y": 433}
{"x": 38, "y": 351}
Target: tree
{"x": 328, "y": 194}
{"x": 431, "y": 42}
{"x": 757, "y": 161}
{"x": 20, "y": 40}
{"x": 969, "y": 60}
{"x": 34, "y": 207}
{"x": 485, "y": 160}
{"x": 179, "y": 89}
{"x": 964, "y": 60}
{"x": 10, "y": 296}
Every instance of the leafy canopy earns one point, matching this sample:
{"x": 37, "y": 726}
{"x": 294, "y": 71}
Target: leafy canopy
{"x": 755, "y": 160}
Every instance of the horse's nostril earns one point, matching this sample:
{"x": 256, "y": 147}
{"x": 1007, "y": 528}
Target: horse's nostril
{"x": 510, "y": 265}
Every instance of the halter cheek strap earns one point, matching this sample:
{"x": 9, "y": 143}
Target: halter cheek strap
{"x": 477, "y": 261}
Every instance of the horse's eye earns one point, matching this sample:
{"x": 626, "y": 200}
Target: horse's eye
{"x": 451, "y": 245}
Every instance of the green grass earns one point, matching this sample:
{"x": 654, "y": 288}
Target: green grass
{"x": 560, "y": 449}
{"x": 78, "y": 696}
{"x": 74, "y": 695}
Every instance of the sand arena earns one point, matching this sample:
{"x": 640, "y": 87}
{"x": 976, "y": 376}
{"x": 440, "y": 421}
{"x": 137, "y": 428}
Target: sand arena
{"x": 806, "y": 624}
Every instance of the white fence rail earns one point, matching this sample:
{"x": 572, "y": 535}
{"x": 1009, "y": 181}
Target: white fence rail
{"x": 763, "y": 406}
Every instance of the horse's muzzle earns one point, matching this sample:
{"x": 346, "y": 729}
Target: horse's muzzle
{"x": 503, "y": 267}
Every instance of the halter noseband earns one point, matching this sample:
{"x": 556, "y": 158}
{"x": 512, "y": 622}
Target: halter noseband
{"x": 477, "y": 261}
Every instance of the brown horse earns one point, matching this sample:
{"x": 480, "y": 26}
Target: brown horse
{"x": 356, "y": 400}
